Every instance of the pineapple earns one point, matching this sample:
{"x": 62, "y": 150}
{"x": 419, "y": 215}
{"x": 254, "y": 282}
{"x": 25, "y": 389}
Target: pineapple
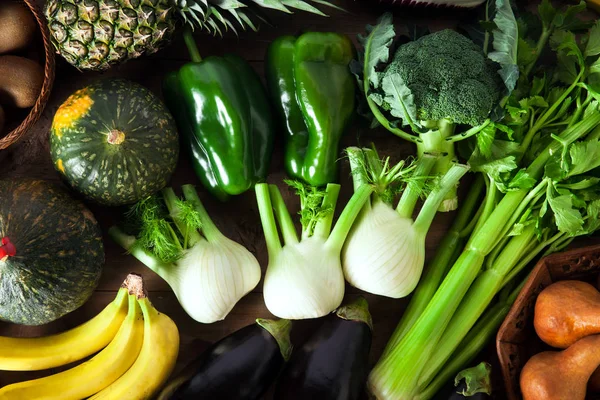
{"x": 96, "y": 34}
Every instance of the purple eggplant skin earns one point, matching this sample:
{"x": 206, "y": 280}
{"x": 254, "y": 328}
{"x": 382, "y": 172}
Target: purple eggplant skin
{"x": 333, "y": 363}
{"x": 241, "y": 366}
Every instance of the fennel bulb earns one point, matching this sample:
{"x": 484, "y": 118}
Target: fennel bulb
{"x": 304, "y": 277}
{"x": 384, "y": 253}
{"x": 209, "y": 273}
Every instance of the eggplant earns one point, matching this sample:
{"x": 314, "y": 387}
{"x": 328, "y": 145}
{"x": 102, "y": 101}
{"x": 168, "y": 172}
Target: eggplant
{"x": 241, "y": 366}
{"x": 333, "y": 363}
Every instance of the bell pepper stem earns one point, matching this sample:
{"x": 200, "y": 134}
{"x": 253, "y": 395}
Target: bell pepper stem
{"x": 190, "y": 42}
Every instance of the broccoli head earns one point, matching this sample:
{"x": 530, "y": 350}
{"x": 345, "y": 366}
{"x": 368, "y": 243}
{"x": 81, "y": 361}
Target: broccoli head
{"x": 449, "y": 76}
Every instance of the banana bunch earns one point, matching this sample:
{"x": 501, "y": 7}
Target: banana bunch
{"x": 137, "y": 345}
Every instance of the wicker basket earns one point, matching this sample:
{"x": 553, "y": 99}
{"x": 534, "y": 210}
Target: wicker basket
{"x": 517, "y": 341}
{"x": 37, "y": 109}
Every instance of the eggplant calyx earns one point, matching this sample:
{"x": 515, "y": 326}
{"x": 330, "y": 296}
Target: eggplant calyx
{"x": 358, "y": 311}
{"x": 280, "y": 330}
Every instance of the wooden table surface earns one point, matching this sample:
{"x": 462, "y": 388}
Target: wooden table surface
{"x": 239, "y": 217}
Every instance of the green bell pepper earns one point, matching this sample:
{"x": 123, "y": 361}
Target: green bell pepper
{"x": 223, "y": 113}
{"x": 314, "y": 93}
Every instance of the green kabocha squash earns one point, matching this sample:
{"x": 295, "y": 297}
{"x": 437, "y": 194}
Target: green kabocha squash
{"x": 51, "y": 252}
{"x": 114, "y": 142}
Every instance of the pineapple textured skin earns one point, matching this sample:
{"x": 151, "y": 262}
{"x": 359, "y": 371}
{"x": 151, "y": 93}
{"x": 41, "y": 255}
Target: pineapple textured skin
{"x": 96, "y": 34}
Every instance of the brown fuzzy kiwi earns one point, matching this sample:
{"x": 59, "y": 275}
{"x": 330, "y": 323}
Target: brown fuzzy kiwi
{"x": 17, "y": 26}
{"x": 21, "y": 81}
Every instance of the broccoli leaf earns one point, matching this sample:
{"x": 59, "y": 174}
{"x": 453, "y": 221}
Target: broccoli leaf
{"x": 506, "y": 44}
{"x": 592, "y": 47}
{"x": 400, "y": 98}
{"x": 376, "y": 45}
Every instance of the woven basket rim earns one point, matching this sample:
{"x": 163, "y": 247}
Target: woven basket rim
{"x": 49, "y": 69}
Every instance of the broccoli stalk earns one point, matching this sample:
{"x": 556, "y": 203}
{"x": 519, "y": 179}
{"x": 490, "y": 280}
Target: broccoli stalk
{"x": 440, "y": 86}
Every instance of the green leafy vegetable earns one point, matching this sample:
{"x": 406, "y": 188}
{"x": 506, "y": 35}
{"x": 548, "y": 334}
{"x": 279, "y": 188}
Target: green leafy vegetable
{"x": 177, "y": 239}
{"x": 434, "y": 84}
{"x": 536, "y": 189}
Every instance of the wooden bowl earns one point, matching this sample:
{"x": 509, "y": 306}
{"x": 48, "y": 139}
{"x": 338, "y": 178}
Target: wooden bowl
{"x": 517, "y": 341}
{"x": 36, "y": 111}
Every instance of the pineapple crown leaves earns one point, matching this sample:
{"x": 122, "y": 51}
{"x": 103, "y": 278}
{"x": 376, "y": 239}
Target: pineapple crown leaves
{"x": 216, "y": 16}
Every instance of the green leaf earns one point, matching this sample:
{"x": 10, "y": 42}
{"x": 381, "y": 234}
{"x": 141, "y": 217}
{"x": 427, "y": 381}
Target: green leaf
{"x": 518, "y": 227}
{"x": 547, "y": 13}
{"x": 376, "y": 45}
{"x": 585, "y": 156}
{"x": 400, "y": 98}
{"x": 538, "y": 85}
{"x": 592, "y": 108}
{"x": 579, "y": 183}
{"x": 592, "y": 47}
{"x": 485, "y": 139}
{"x": 272, "y": 4}
{"x": 506, "y": 44}
{"x": 569, "y": 19}
{"x": 311, "y": 200}
{"x": 304, "y": 6}
{"x": 526, "y": 53}
{"x": 594, "y": 67}
{"x": 534, "y": 101}
{"x": 495, "y": 167}
{"x": 567, "y": 218}
{"x": 593, "y": 216}
{"x": 477, "y": 379}
{"x": 554, "y": 168}
{"x": 522, "y": 180}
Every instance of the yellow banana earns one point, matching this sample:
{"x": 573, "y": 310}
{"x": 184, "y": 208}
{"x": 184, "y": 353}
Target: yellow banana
{"x": 155, "y": 362}
{"x": 31, "y": 354}
{"x": 95, "y": 374}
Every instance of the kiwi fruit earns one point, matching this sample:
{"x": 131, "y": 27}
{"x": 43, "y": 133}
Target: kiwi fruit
{"x": 21, "y": 81}
{"x": 17, "y": 26}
